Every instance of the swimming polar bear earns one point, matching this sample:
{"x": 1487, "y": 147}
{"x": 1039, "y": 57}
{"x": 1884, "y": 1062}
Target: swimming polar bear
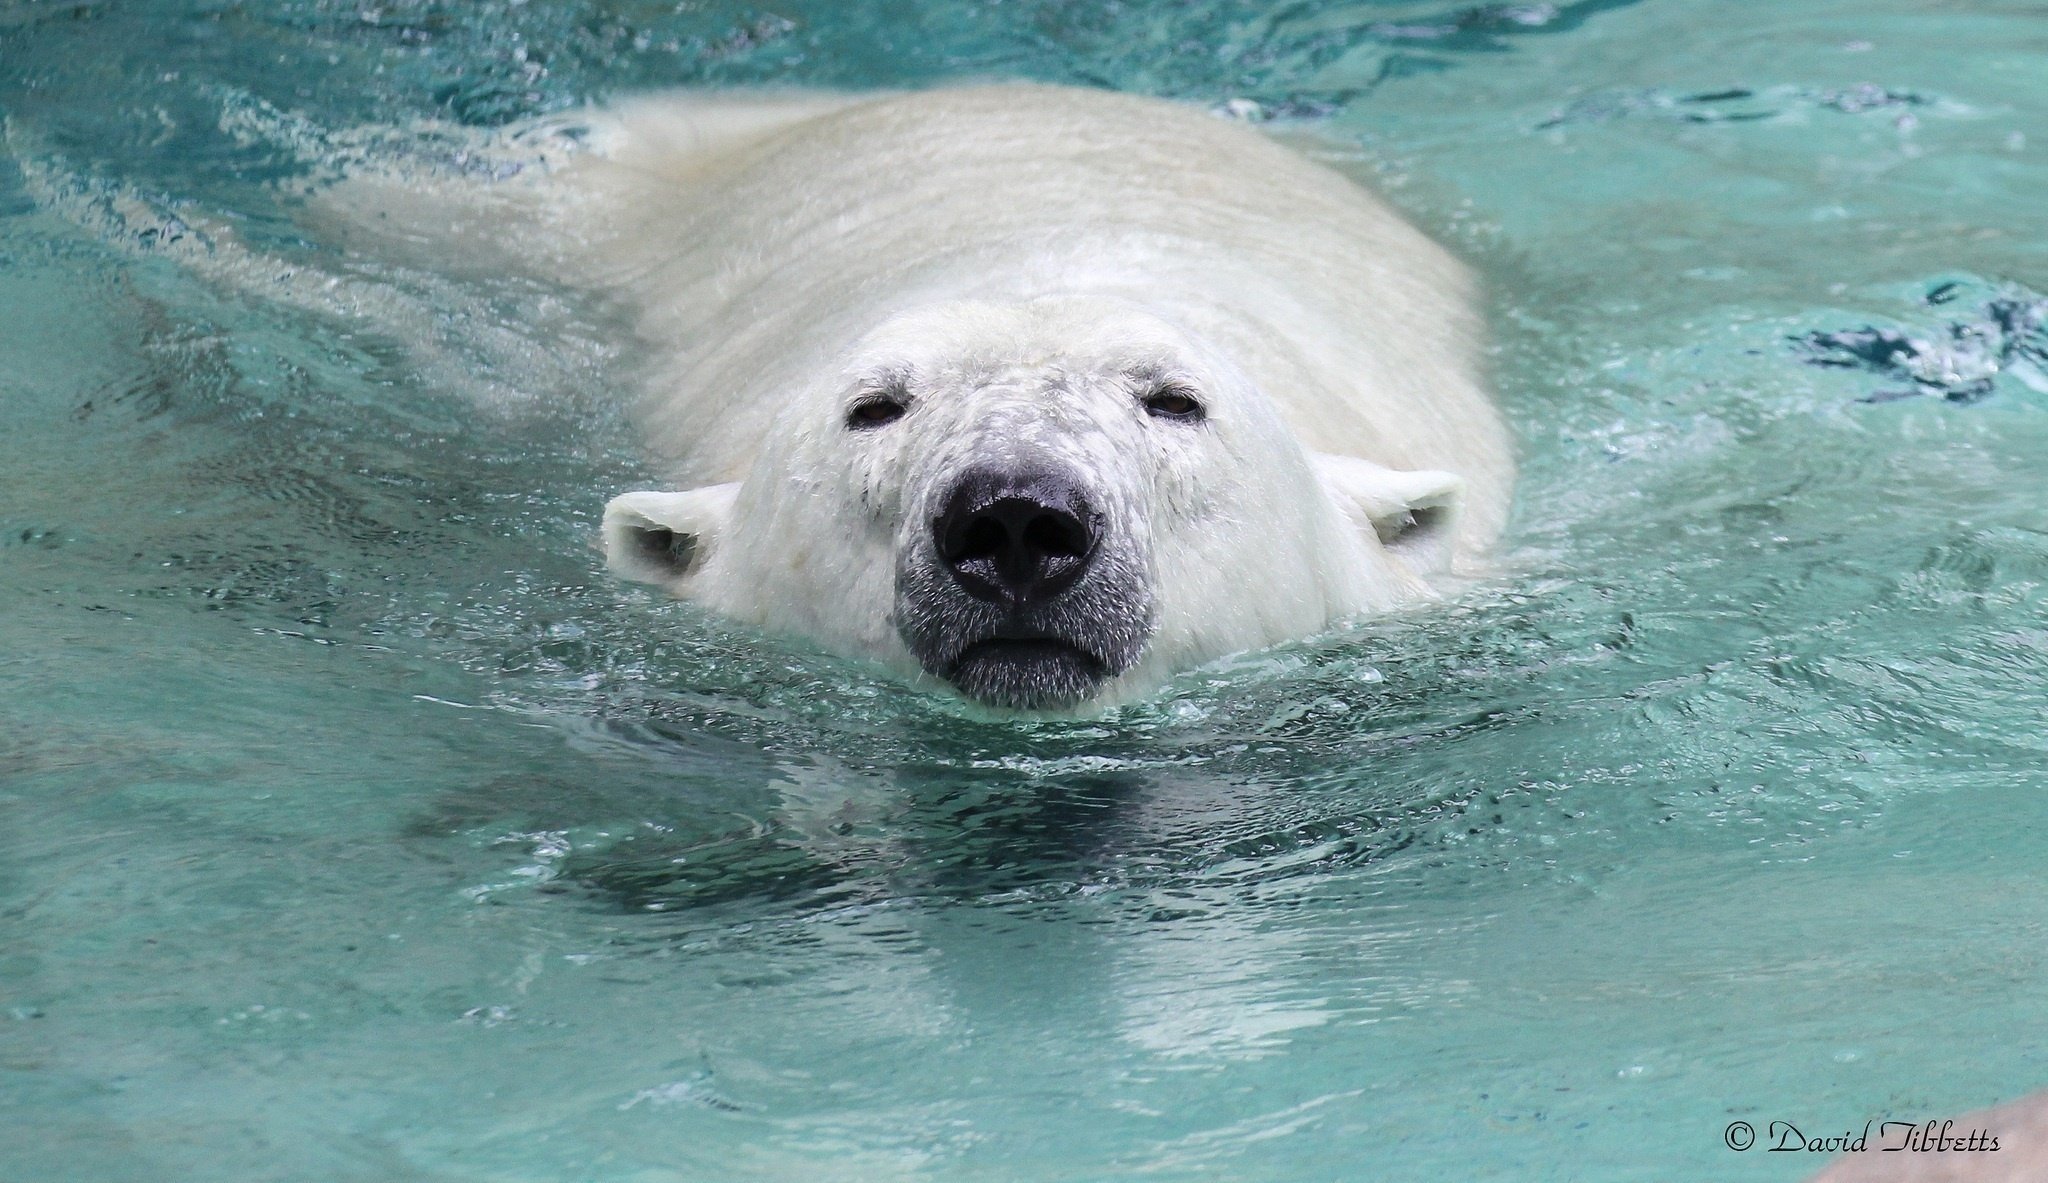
{"x": 1043, "y": 394}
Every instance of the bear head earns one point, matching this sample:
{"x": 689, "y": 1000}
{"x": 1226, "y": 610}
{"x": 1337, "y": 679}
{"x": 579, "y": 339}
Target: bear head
{"x": 1046, "y": 505}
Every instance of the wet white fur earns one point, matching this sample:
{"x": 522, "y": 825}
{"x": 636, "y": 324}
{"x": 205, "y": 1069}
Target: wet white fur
{"x": 1016, "y": 252}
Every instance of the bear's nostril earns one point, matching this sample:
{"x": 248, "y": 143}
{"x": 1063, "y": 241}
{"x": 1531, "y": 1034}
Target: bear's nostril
{"x": 984, "y": 538}
{"x": 1057, "y": 535}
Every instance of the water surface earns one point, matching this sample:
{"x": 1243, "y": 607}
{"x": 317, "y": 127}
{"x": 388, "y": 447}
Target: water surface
{"x": 354, "y": 824}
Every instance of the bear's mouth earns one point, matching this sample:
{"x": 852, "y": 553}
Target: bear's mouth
{"x": 1027, "y": 673}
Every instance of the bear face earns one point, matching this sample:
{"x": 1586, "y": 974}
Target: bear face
{"x": 1061, "y": 501}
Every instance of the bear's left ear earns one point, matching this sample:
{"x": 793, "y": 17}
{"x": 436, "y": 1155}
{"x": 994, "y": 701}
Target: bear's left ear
{"x": 661, "y": 537}
{"x": 1413, "y": 513}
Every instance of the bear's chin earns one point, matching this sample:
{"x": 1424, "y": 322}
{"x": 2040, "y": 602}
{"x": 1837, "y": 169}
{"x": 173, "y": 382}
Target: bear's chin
{"x": 1039, "y": 674}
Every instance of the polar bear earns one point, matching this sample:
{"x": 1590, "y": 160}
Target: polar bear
{"x": 1040, "y": 394}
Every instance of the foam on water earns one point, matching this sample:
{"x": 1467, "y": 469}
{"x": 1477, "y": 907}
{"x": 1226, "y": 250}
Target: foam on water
{"x": 354, "y": 824}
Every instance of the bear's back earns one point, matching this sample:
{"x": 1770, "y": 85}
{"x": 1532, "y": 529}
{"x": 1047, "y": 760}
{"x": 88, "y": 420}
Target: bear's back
{"x": 758, "y": 241}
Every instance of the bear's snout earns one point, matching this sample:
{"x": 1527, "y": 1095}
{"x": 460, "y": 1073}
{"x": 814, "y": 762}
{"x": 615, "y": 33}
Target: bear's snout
{"x": 1020, "y": 591}
{"x": 1016, "y": 537}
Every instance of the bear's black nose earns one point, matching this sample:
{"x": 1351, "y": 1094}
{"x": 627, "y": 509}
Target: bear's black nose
{"x": 1016, "y": 538}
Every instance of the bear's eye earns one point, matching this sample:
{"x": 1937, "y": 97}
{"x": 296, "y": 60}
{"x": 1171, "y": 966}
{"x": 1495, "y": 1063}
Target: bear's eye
{"x": 1174, "y": 402}
{"x": 876, "y": 410}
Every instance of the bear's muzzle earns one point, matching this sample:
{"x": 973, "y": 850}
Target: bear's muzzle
{"x": 1020, "y": 594}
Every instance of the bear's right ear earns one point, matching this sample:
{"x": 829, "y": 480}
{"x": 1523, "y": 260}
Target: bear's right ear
{"x": 1413, "y": 512}
{"x": 661, "y": 537}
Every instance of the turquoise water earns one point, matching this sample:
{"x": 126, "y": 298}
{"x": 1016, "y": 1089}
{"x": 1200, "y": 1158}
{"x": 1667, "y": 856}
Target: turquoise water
{"x": 355, "y": 825}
